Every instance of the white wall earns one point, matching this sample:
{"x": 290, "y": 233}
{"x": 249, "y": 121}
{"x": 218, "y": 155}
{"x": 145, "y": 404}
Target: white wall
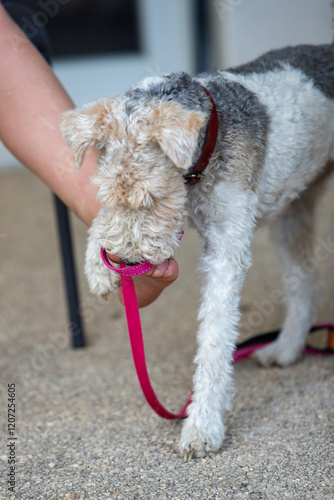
{"x": 245, "y": 29}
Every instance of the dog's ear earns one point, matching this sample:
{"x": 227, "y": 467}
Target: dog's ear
{"x": 176, "y": 129}
{"x": 90, "y": 125}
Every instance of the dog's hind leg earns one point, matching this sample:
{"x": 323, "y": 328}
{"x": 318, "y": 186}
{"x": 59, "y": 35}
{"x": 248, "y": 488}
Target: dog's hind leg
{"x": 293, "y": 236}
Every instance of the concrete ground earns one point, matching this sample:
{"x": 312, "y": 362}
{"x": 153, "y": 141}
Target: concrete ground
{"x": 83, "y": 428}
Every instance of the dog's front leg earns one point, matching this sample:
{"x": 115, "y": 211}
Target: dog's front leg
{"x": 203, "y": 430}
{"x": 224, "y": 264}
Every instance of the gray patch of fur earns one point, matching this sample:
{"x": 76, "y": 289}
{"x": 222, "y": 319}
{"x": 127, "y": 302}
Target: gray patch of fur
{"x": 180, "y": 87}
{"x": 241, "y": 115}
{"x": 240, "y": 112}
{"x": 316, "y": 62}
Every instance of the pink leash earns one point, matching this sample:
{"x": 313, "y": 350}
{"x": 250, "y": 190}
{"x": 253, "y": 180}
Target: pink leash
{"x": 243, "y": 351}
{"x": 136, "y": 335}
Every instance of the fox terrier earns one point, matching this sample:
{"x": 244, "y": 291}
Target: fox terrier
{"x": 271, "y": 128}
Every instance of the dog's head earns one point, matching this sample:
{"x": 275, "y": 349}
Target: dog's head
{"x": 146, "y": 146}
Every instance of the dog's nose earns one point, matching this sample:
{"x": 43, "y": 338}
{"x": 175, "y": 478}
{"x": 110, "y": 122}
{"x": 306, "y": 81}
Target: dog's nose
{"x": 130, "y": 263}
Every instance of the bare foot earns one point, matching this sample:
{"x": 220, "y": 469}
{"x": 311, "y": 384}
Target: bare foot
{"x": 150, "y": 285}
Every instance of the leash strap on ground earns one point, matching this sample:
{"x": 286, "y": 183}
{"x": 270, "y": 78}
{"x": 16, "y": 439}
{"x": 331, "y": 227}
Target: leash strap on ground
{"x": 246, "y": 349}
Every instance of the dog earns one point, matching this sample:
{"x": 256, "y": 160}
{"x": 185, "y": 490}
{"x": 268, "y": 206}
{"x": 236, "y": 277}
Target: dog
{"x": 273, "y": 152}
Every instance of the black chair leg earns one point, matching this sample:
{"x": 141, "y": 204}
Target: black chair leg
{"x": 20, "y": 13}
{"x": 73, "y": 304}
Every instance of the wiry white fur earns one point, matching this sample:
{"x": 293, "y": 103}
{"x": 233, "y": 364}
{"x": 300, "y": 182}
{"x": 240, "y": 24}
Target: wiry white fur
{"x": 299, "y": 144}
{"x": 145, "y": 203}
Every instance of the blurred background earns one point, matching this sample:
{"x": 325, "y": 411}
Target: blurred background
{"x": 102, "y": 47}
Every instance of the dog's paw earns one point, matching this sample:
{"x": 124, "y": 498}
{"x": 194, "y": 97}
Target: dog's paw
{"x": 277, "y": 354}
{"x": 197, "y": 442}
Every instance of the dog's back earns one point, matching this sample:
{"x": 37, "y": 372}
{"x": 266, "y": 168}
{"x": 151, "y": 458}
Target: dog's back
{"x": 291, "y": 92}
{"x": 315, "y": 61}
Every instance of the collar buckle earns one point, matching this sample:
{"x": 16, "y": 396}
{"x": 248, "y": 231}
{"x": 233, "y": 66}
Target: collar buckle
{"x": 197, "y": 176}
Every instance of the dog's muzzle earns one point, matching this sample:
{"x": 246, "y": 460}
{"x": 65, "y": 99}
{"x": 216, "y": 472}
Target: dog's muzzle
{"x": 129, "y": 270}
{"x": 134, "y": 270}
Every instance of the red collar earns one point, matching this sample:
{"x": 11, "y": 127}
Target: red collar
{"x": 196, "y": 172}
